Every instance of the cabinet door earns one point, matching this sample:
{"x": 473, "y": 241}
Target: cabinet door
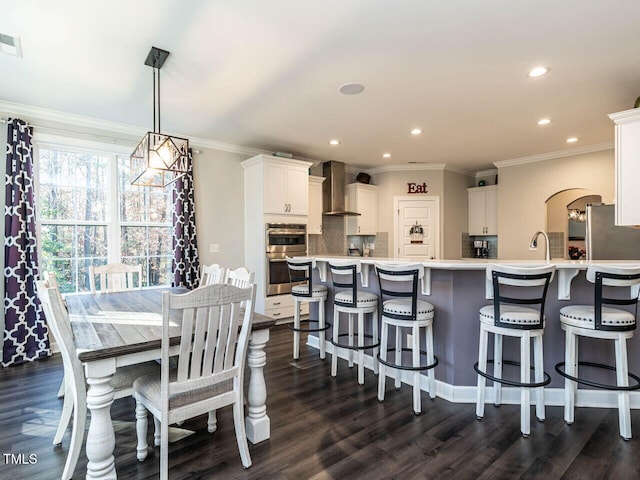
{"x": 476, "y": 212}
{"x": 297, "y": 191}
{"x": 491, "y": 212}
{"x": 314, "y": 225}
{"x": 627, "y": 171}
{"x": 275, "y": 188}
{"x": 368, "y": 208}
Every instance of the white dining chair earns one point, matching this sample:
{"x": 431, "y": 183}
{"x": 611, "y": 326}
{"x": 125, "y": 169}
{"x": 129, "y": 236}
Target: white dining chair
{"x": 210, "y": 365}
{"x": 115, "y": 277}
{"x": 75, "y": 397}
{"x": 240, "y": 277}
{"x": 212, "y": 274}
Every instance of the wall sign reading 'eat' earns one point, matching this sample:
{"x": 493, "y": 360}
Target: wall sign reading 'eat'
{"x": 417, "y": 188}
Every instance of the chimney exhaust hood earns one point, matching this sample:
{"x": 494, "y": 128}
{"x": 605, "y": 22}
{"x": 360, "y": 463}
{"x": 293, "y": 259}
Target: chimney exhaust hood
{"x": 333, "y": 190}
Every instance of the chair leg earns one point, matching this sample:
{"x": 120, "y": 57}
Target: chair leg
{"x": 141, "y": 431}
{"x": 61, "y": 390}
{"x": 336, "y": 331}
{"x": 571, "y": 368}
{"x": 525, "y": 392}
{"x": 539, "y": 377}
{"x": 374, "y": 330}
{"x": 350, "y": 340}
{"x": 497, "y": 369}
{"x": 212, "y": 421}
{"x": 321, "y": 324}
{"x": 398, "y": 358}
{"x": 382, "y": 378}
{"x": 431, "y": 374}
{"x": 79, "y": 399}
{"x": 296, "y": 324}
{"x": 65, "y": 417}
{"x": 157, "y": 431}
{"x": 622, "y": 373}
{"x": 360, "y": 344}
{"x": 482, "y": 366}
{"x": 164, "y": 451}
{"x": 415, "y": 354}
{"x": 241, "y": 435}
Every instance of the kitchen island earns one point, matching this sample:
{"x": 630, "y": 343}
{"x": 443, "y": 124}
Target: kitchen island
{"x": 458, "y": 289}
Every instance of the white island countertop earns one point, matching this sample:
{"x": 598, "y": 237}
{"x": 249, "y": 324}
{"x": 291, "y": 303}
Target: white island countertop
{"x": 567, "y": 269}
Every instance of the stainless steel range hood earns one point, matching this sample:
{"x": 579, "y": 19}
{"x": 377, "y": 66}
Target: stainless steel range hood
{"x": 333, "y": 192}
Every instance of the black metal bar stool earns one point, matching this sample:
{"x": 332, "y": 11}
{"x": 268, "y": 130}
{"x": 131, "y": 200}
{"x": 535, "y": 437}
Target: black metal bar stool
{"x": 402, "y": 310}
{"x": 344, "y": 275}
{"x": 606, "y": 323}
{"x": 304, "y": 290}
{"x": 519, "y": 295}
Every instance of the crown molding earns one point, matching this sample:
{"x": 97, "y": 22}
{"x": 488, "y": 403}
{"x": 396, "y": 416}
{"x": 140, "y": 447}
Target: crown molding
{"x": 34, "y": 114}
{"x": 627, "y": 116}
{"x": 407, "y": 167}
{"x": 598, "y": 147}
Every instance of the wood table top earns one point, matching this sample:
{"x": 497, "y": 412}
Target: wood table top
{"x": 109, "y": 325}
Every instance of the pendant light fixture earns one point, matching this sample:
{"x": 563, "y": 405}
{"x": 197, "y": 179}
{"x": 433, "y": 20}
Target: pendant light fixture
{"x": 159, "y": 159}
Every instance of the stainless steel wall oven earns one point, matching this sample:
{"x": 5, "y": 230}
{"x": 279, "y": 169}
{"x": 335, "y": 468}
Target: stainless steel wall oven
{"x": 282, "y": 240}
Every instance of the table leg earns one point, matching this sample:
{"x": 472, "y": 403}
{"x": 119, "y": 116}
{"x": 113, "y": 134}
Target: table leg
{"x": 101, "y": 440}
{"x": 258, "y": 423}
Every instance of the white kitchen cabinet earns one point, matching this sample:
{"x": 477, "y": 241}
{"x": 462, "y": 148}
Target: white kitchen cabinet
{"x": 286, "y": 188}
{"x": 627, "y": 170}
{"x": 276, "y": 190}
{"x": 314, "y": 225}
{"x": 483, "y": 210}
{"x": 362, "y": 198}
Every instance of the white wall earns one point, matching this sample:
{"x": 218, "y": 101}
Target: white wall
{"x": 219, "y": 192}
{"x": 524, "y": 189}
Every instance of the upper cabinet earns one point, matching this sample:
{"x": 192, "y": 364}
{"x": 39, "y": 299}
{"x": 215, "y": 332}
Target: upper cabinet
{"x": 281, "y": 185}
{"x": 483, "y": 210}
{"x": 627, "y": 170}
{"x": 362, "y": 198}
{"x": 314, "y": 225}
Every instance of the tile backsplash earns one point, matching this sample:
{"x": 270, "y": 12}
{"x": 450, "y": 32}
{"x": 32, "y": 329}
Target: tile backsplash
{"x": 334, "y": 240}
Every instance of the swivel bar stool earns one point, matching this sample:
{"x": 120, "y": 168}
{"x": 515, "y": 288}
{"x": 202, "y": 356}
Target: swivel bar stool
{"x": 606, "y": 323}
{"x": 516, "y": 293}
{"x": 344, "y": 275}
{"x": 304, "y": 290}
{"x": 402, "y": 310}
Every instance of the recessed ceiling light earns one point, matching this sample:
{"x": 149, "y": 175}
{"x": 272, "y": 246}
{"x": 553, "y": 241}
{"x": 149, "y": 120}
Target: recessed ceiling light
{"x": 544, "y": 121}
{"x": 572, "y": 139}
{"x": 416, "y": 131}
{"x": 386, "y": 155}
{"x": 351, "y": 88}
{"x": 334, "y": 142}
{"x": 538, "y": 72}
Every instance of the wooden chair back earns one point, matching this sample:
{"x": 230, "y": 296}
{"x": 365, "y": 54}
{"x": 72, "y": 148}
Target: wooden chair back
{"x": 212, "y": 274}
{"x": 115, "y": 277}
{"x": 240, "y": 277}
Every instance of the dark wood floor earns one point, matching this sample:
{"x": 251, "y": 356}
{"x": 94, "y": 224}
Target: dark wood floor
{"x": 326, "y": 428}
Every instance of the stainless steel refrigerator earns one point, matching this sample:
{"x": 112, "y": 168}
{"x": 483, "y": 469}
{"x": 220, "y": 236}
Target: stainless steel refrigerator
{"x": 605, "y": 240}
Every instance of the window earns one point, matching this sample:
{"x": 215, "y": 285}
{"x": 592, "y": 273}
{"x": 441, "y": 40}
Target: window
{"x": 89, "y": 214}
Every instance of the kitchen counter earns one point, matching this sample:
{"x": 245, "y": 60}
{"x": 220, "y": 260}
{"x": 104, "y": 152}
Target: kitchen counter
{"x": 458, "y": 289}
{"x": 567, "y": 270}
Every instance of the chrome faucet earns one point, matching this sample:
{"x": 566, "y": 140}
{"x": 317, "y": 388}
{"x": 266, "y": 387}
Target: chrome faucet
{"x": 533, "y": 245}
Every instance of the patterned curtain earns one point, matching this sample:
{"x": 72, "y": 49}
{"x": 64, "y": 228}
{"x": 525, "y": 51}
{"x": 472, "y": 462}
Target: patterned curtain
{"x": 185, "y": 265}
{"x": 25, "y": 331}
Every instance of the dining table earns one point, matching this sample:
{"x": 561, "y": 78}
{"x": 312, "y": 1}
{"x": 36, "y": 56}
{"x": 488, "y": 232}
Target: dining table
{"x": 115, "y": 329}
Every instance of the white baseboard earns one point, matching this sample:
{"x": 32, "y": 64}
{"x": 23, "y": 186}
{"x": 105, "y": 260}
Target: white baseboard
{"x": 510, "y": 395}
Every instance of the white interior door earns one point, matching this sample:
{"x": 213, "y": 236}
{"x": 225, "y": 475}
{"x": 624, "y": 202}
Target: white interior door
{"x": 426, "y": 213}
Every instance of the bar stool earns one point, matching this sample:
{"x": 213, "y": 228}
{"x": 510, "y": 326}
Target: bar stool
{"x": 402, "y": 309}
{"x": 353, "y": 302}
{"x": 508, "y": 316}
{"x": 303, "y": 290}
{"x": 606, "y": 323}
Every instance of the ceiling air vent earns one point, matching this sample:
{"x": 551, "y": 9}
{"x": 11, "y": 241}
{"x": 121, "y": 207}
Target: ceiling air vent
{"x": 10, "y": 45}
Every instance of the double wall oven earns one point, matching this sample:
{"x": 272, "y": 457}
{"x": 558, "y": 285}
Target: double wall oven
{"x": 283, "y": 240}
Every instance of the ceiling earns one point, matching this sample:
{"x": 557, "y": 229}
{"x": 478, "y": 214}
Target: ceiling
{"x": 266, "y": 74}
